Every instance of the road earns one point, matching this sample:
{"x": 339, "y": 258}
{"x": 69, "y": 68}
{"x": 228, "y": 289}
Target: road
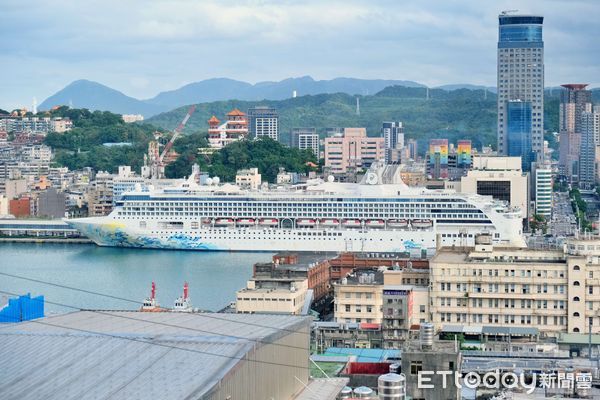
{"x": 563, "y": 221}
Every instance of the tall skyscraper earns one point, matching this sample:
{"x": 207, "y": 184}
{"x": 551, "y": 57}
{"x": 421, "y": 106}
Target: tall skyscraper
{"x": 521, "y": 77}
{"x": 437, "y": 167}
{"x": 306, "y": 138}
{"x": 263, "y": 121}
{"x": 590, "y": 136}
{"x": 393, "y": 138}
{"x": 574, "y": 100}
{"x": 518, "y": 132}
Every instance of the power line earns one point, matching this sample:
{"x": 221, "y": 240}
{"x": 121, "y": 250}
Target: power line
{"x": 116, "y": 314}
{"x": 134, "y": 301}
{"x": 153, "y": 343}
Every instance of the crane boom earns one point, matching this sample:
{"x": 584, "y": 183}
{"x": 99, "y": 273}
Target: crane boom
{"x": 176, "y": 133}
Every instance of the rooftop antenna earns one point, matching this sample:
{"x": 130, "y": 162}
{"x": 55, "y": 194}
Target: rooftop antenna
{"x": 485, "y": 93}
{"x": 427, "y": 93}
{"x": 506, "y": 12}
{"x": 357, "y": 105}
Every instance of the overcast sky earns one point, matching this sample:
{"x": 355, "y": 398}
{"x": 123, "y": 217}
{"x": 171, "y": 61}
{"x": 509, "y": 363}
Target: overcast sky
{"x": 142, "y": 47}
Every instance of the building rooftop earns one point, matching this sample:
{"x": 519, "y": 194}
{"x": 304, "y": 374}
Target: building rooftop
{"x": 323, "y": 389}
{"x": 130, "y": 355}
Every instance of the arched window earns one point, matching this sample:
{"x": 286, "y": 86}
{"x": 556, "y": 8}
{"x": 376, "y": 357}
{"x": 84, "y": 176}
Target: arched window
{"x": 576, "y": 268}
{"x": 576, "y": 283}
{"x": 576, "y": 314}
{"x": 576, "y": 298}
{"x": 576, "y": 330}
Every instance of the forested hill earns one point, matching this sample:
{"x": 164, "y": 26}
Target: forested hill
{"x": 456, "y": 114}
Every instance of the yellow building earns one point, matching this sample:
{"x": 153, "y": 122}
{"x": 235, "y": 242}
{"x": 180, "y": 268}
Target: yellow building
{"x": 552, "y": 290}
{"x": 248, "y": 178}
{"x": 278, "y": 296}
{"x": 359, "y": 298}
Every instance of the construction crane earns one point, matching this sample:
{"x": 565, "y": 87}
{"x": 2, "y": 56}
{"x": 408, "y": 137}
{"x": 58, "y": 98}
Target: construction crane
{"x": 154, "y": 162}
{"x": 176, "y": 133}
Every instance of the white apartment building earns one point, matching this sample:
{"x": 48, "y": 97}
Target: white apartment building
{"x": 248, "y": 178}
{"x": 543, "y": 192}
{"x": 499, "y": 177}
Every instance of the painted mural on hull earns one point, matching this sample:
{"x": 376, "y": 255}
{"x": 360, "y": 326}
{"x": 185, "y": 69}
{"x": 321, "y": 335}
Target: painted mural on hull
{"x": 117, "y": 237}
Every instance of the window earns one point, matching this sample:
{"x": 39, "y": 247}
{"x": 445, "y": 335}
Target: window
{"x": 576, "y": 314}
{"x": 416, "y": 367}
{"x": 576, "y": 268}
{"x": 576, "y": 298}
{"x": 576, "y": 283}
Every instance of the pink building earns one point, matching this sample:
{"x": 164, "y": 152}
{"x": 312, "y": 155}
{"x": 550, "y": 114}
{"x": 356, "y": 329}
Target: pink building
{"x": 352, "y": 149}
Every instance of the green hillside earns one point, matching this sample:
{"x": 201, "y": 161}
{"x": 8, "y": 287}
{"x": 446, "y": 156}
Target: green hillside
{"x": 457, "y": 114}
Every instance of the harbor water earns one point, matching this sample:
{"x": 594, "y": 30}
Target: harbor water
{"x": 213, "y": 277}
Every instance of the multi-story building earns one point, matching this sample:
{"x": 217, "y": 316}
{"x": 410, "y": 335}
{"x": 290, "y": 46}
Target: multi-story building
{"x": 413, "y": 148}
{"x": 543, "y": 191}
{"x": 35, "y": 124}
{"x": 129, "y": 118}
{"x": 353, "y": 149}
{"x": 414, "y": 174}
{"x": 574, "y": 100}
{"x": 359, "y": 298}
{"x": 268, "y": 294}
{"x": 100, "y": 194}
{"x": 233, "y": 129}
{"x": 306, "y": 138}
{"x": 520, "y": 78}
{"x": 393, "y": 136}
{"x": 552, "y": 290}
{"x": 499, "y": 177}
{"x": 248, "y": 178}
{"x": 437, "y": 165}
{"x": 588, "y": 155}
{"x": 263, "y": 121}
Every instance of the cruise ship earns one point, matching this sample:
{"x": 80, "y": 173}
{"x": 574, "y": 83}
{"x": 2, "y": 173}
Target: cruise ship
{"x": 379, "y": 214}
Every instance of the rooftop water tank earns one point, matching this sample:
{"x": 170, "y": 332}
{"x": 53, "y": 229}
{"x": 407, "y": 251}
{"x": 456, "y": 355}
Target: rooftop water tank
{"x": 346, "y": 393}
{"x": 363, "y": 392}
{"x": 391, "y": 387}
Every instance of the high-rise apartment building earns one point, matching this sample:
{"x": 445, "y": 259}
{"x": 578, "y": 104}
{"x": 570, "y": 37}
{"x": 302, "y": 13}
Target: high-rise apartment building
{"x": 263, "y": 121}
{"x": 393, "y": 138}
{"x": 306, "y": 138}
{"x": 574, "y": 100}
{"x": 437, "y": 166}
{"x": 521, "y": 77}
{"x": 543, "y": 191}
{"x": 353, "y": 149}
{"x": 588, "y": 154}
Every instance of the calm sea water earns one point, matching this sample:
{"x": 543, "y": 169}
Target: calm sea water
{"x": 214, "y": 277}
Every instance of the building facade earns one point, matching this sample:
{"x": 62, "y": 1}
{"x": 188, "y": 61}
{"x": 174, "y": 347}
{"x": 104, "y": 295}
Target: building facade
{"x": 233, "y": 129}
{"x": 574, "y": 100}
{"x": 520, "y": 77}
{"x": 552, "y": 290}
{"x": 499, "y": 177}
{"x": 263, "y": 121}
{"x": 353, "y": 149}
{"x": 393, "y": 139}
{"x": 588, "y": 154}
{"x": 306, "y": 138}
{"x": 543, "y": 191}
{"x": 359, "y": 298}
{"x": 248, "y": 178}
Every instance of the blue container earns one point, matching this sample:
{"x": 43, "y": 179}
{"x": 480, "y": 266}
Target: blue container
{"x": 23, "y": 308}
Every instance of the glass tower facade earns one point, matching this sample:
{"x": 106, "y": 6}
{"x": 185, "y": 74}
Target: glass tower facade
{"x": 521, "y": 77}
{"x": 518, "y": 132}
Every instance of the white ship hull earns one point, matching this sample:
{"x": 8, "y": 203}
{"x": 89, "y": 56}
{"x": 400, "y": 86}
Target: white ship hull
{"x": 107, "y": 232}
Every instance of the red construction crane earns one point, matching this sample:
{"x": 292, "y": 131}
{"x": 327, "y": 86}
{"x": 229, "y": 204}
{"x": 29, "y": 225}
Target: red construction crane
{"x": 176, "y": 133}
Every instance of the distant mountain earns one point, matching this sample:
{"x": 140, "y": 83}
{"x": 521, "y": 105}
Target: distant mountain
{"x": 95, "y": 96}
{"x": 220, "y": 89}
{"x": 456, "y": 86}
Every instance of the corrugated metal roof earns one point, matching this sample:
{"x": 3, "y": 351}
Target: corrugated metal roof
{"x": 54, "y": 362}
{"x": 323, "y": 389}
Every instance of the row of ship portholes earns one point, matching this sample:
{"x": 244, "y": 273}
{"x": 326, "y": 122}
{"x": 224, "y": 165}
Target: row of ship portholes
{"x": 288, "y": 223}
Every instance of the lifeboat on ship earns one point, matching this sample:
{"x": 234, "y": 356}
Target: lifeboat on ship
{"x": 224, "y": 222}
{"x": 329, "y": 222}
{"x": 351, "y": 223}
{"x": 397, "y": 223}
{"x": 206, "y": 221}
{"x": 305, "y": 222}
{"x": 375, "y": 223}
{"x": 421, "y": 223}
{"x": 246, "y": 221}
{"x": 268, "y": 222}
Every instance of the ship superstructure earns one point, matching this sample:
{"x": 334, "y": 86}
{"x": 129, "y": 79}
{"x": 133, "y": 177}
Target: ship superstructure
{"x": 379, "y": 214}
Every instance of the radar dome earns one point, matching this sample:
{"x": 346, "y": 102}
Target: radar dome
{"x": 209, "y": 181}
{"x": 216, "y": 180}
{"x": 330, "y": 178}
